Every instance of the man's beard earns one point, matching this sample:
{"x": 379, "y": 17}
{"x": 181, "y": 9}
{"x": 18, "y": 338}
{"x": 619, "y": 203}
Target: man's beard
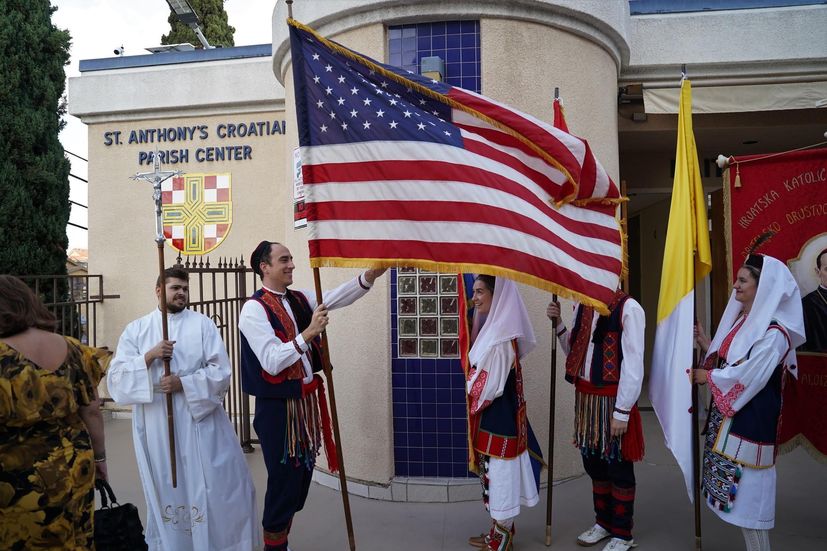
{"x": 173, "y": 308}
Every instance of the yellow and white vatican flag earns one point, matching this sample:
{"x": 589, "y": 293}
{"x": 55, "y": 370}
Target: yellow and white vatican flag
{"x": 686, "y": 260}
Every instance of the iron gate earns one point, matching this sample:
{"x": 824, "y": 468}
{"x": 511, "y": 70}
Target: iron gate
{"x": 219, "y": 291}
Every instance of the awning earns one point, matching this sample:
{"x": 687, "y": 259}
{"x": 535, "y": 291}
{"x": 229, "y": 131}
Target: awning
{"x": 738, "y": 99}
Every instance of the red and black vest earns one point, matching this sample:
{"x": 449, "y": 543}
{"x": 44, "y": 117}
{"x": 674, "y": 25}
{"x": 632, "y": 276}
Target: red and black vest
{"x": 288, "y": 383}
{"x": 607, "y": 355}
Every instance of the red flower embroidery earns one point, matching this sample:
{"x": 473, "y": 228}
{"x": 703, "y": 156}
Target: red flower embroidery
{"x": 725, "y": 401}
{"x": 476, "y": 392}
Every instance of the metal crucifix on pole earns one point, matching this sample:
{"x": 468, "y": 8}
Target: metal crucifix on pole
{"x": 156, "y": 178}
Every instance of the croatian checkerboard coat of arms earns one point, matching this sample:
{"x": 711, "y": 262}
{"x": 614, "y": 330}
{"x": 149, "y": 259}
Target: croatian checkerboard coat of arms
{"x": 197, "y": 211}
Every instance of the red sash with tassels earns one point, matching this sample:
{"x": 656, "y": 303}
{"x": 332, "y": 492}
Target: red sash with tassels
{"x": 592, "y": 427}
{"x": 308, "y": 419}
{"x": 317, "y": 386}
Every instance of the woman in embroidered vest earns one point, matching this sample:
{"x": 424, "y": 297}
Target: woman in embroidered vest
{"x": 753, "y": 349}
{"x": 507, "y": 456}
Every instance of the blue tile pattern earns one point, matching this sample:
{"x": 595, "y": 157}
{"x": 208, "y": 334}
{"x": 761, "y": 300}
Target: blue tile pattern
{"x": 456, "y": 42}
{"x": 429, "y": 416}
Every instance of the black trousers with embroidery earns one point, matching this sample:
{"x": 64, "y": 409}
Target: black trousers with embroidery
{"x": 613, "y": 488}
{"x": 287, "y": 482}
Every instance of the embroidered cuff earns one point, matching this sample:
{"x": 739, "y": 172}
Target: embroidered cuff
{"x": 620, "y": 416}
{"x": 724, "y": 402}
{"x": 363, "y": 285}
{"x": 298, "y": 346}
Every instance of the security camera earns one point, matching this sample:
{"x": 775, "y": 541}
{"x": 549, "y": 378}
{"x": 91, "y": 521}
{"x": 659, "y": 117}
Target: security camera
{"x": 118, "y": 51}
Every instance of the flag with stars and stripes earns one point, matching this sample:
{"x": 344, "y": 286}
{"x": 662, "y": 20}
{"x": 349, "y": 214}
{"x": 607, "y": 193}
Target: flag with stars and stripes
{"x": 402, "y": 170}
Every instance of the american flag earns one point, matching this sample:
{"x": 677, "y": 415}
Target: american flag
{"x": 402, "y": 170}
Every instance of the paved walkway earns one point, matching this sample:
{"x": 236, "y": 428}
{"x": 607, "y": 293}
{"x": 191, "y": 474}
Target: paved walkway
{"x": 663, "y": 516}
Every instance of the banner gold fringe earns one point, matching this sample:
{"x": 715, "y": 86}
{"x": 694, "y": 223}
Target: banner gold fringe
{"x": 728, "y": 222}
{"x": 804, "y": 442}
{"x": 454, "y": 105}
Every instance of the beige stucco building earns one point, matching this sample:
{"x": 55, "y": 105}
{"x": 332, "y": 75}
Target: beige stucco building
{"x": 758, "y": 76}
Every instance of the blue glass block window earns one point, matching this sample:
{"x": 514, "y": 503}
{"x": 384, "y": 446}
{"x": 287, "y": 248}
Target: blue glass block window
{"x": 456, "y": 42}
{"x": 429, "y": 415}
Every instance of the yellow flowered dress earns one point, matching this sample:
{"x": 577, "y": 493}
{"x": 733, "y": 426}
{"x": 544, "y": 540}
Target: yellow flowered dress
{"x": 47, "y": 468}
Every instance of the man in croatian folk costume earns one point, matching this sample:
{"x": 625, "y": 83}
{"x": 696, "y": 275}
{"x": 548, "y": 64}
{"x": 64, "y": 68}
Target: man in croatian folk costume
{"x": 280, "y": 354}
{"x": 504, "y": 451}
{"x": 605, "y": 363}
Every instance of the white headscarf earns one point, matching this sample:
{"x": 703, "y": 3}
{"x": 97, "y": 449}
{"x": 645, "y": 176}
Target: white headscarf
{"x": 507, "y": 319}
{"x": 777, "y": 298}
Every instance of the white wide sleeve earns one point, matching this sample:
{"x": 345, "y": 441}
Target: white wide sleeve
{"x": 204, "y": 388}
{"x": 273, "y": 355}
{"x": 128, "y": 379}
{"x": 344, "y": 295}
{"x": 489, "y": 376}
{"x": 631, "y": 368}
{"x": 735, "y": 385}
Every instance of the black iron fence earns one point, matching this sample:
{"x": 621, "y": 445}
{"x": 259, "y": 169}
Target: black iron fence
{"x": 74, "y": 300}
{"x": 218, "y": 291}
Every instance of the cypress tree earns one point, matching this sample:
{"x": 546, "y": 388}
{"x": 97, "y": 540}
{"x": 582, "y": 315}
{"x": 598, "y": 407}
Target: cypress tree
{"x": 34, "y": 172}
{"x": 213, "y": 24}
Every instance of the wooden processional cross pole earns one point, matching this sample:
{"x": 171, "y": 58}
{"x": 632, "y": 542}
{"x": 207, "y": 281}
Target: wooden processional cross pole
{"x": 157, "y": 177}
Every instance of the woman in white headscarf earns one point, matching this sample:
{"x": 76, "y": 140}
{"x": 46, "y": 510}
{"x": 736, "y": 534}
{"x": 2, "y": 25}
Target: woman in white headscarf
{"x": 506, "y": 453}
{"x": 753, "y": 349}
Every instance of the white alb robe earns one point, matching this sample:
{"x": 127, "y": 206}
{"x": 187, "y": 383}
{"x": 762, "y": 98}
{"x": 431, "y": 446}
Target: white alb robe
{"x": 214, "y": 505}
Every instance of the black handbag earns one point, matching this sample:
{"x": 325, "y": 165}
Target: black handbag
{"x": 117, "y": 527}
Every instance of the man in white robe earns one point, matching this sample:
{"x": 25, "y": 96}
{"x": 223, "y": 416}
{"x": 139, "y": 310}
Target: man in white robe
{"x": 213, "y": 506}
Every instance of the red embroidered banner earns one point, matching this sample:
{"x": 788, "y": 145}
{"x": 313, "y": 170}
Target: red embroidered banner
{"x": 785, "y": 197}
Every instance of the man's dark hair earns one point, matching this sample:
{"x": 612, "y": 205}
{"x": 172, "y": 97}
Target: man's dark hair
{"x": 818, "y": 258}
{"x": 261, "y": 254}
{"x": 175, "y": 272}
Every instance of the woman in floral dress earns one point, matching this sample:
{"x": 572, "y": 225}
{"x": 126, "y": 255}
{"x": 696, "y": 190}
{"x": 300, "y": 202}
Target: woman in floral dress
{"x": 51, "y": 428}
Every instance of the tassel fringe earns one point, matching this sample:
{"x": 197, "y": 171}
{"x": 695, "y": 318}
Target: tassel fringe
{"x": 303, "y": 433}
{"x": 592, "y": 431}
{"x": 309, "y": 428}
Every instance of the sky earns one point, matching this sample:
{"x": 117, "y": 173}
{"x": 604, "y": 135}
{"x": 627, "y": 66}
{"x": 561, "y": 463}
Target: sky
{"x": 97, "y": 28}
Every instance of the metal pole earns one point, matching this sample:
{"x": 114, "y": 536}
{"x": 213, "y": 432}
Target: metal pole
{"x": 696, "y": 440}
{"x": 165, "y": 333}
{"x": 157, "y": 177}
{"x": 552, "y": 393}
{"x": 552, "y": 407}
{"x": 334, "y": 416}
